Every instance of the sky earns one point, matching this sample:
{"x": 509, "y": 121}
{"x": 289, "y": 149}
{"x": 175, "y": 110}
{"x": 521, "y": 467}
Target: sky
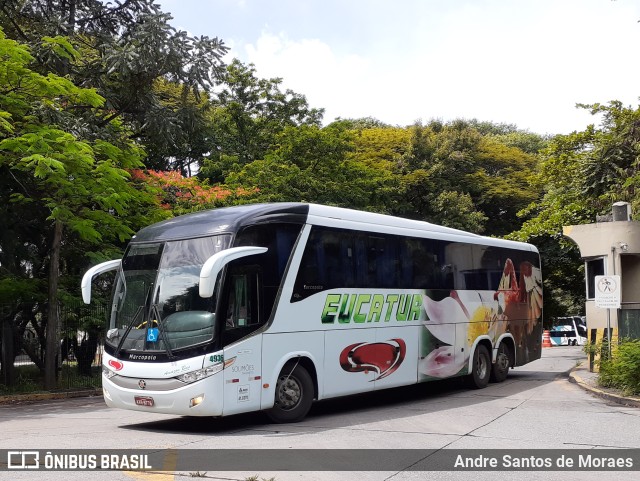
{"x": 522, "y": 62}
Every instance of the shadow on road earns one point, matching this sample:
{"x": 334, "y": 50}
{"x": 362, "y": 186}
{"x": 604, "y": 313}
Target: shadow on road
{"x": 357, "y": 409}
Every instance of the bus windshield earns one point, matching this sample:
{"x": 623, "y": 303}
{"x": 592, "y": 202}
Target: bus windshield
{"x": 156, "y": 304}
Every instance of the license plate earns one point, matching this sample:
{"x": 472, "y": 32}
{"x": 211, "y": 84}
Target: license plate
{"x": 143, "y": 401}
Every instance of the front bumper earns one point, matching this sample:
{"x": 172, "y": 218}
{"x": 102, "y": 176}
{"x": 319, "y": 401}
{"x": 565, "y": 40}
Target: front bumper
{"x": 176, "y": 401}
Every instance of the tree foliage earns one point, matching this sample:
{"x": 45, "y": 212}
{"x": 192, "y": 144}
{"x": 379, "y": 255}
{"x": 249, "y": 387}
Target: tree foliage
{"x": 53, "y": 171}
{"x": 150, "y": 74}
{"x": 486, "y": 181}
{"x": 180, "y": 195}
{"x": 310, "y": 164}
{"x": 98, "y": 83}
{"x": 247, "y": 114}
{"x": 69, "y": 186}
{"x": 580, "y": 176}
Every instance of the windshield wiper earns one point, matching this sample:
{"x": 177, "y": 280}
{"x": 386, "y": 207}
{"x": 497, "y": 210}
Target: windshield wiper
{"x": 128, "y": 330}
{"x": 165, "y": 339}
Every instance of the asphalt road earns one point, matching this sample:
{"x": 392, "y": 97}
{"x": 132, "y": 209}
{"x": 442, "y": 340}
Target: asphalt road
{"x": 535, "y": 408}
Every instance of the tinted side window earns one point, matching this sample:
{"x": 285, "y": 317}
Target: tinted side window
{"x": 423, "y": 264}
{"x": 486, "y": 266}
{"x": 337, "y": 258}
{"x": 279, "y": 239}
{"x": 334, "y": 258}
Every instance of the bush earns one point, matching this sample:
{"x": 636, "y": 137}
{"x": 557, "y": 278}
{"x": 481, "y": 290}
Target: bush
{"x": 622, "y": 371}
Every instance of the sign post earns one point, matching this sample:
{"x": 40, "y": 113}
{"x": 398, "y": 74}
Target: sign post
{"x": 608, "y": 291}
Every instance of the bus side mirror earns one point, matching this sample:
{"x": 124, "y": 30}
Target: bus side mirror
{"x": 85, "y": 286}
{"x": 216, "y": 262}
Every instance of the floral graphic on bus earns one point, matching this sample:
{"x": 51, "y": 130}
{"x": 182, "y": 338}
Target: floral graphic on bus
{"x": 455, "y": 322}
{"x": 384, "y": 358}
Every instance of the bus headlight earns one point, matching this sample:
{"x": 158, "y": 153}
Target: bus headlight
{"x": 194, "y": 376}
{"x": 108, "y": 373}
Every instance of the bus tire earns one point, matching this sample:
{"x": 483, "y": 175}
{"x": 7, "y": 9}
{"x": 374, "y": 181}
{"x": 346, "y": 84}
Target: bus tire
{"x": 500, "y": 368}
{"x": 480, "y": 368}
{"x": 294, "y": 395}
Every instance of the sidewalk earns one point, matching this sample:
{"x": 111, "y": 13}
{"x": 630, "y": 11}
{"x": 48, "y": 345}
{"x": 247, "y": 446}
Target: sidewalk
{"x": 589, "y": 381}
{"x": 47, "y": 396}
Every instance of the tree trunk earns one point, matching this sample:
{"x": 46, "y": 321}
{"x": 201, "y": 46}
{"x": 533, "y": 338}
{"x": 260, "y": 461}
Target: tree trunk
{"x": 7, "y": 373}
{"x": 50, "y": 364}
{"x": 71, "y": 21}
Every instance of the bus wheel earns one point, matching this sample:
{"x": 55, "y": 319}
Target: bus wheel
{"x": 481, "y": 368}
{"x": 501, "y": 367}
{"x": 294, "y": 395}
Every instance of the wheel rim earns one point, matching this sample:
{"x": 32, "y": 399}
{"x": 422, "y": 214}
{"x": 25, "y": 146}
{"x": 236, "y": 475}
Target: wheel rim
{"x": 289, "y": 392}
{"x": 481, "y": 366}
{"x": 502, "y": 361}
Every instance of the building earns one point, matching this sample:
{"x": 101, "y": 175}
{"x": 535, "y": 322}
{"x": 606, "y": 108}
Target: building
{"x": 611, "y": 246}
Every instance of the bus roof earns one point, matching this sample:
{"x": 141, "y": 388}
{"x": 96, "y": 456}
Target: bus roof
{"x": 231, "y": 219}
{"x": 220, "y": 221}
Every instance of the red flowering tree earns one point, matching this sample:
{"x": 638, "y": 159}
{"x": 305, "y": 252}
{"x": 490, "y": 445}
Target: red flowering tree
{"x": 181, "y": 195}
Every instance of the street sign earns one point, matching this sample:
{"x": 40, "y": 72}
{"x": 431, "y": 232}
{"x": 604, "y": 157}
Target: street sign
{"x": 608, "y": 290}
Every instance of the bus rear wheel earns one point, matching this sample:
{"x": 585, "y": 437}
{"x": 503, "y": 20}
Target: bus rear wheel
{"x": 294, "y": 395}
{"x": 480, "y": 368}
{"x": 500, "y": 369}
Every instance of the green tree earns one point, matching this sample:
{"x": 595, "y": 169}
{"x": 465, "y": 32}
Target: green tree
{"x": 580, "y": 176}
{"x": 380, "y": 149}
{"x": 457, "y": 210}
{"x": 77, "y": 185}
{"x": 150, "y": 75}
{"x": 383, "y": 147}
{"x": 499, "y": 184}
{"x": 469, "y": 164}
{"x": 183, "y": 137}
{"x": 248, "y": 113}
{"x": 363, "y": 123}
{"x": 511, "y": 136}
{"x": 312, "y": 164}
{"x": 611, "y": 167}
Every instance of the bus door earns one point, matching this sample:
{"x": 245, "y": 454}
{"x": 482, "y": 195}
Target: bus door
{"x": 242, "y": 351}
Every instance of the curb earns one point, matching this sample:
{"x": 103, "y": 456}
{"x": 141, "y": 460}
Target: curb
{"x": 609, "y": 396}
{"x": 34, "y": 397}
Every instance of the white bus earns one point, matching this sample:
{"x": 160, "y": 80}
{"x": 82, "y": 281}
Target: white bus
{"x": 272, "y": 306}
{"x": 568, "y": 331}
